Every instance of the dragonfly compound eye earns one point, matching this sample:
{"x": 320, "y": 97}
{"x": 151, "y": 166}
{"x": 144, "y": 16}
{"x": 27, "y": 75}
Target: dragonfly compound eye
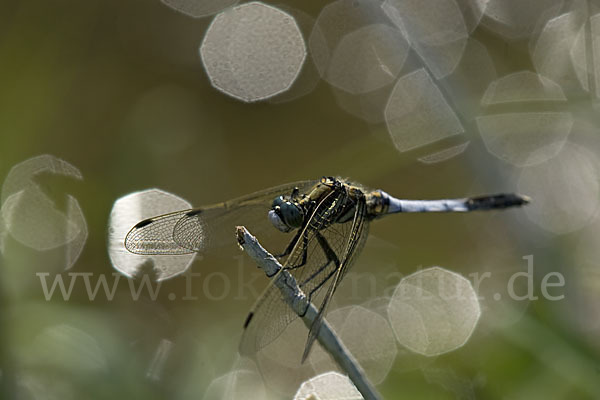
{"x": 285, "y": 215}
{"x": 277, "y": 221}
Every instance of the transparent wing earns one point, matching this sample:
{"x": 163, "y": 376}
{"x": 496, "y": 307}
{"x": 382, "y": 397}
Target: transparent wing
{"x": 155, "y": 235}
{"x": 208, "y": 227}
{"x": 354, "y": 244}
{"x": 316, "y": 257}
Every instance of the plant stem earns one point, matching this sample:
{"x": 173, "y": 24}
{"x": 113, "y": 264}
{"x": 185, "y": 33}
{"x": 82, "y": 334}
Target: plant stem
{"x": 298, "y": 301}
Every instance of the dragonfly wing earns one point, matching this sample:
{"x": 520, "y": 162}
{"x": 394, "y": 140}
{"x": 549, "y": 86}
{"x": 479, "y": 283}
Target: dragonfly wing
{"x": 311, "y": 264}
{"x": 354, "y": 244}
{"x": 270, "y": 315}
{"x": 208, "y": 227}
{"x": 155, "y": 235}
{"x": 267, "y": 320}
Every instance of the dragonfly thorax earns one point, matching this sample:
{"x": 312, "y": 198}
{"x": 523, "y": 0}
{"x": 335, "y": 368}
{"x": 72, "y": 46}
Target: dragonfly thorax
{"x": 286, "y": 215}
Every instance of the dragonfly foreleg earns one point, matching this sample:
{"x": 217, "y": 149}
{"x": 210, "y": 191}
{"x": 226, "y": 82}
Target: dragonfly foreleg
{"x": 304, "y": 253}
{"x": 291, "y": 245}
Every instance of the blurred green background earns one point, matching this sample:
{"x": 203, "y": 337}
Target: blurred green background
{"x": 116, "y": 88}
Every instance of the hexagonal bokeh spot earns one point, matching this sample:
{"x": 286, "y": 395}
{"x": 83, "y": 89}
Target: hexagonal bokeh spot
{"x": 445, "y": 154}
{"x": 436, "y": 30}
{"x": 279, "y": 361}
{"x": 525, "y": 138}
{"x": 367, "y": 59}
{"x": 128, "y": 211}
{"x": 32, "y": 217}
{"x": 566, "y": 190}
{"x": 414, "y": 121}
{"x": 517, "y": 19}
{"x": 566, "y": 49}
{"x": 369, "y": 338}
{"x": 253, "y": 51}
{"x": 433, "y": 311}
{"x": 328, "y": 386}
{"x": 522, "y": 86}
{"x": 339, "y": 19}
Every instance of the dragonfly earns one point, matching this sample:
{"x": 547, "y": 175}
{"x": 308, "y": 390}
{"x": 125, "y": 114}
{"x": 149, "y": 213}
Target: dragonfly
{"x": 327, "y": 223}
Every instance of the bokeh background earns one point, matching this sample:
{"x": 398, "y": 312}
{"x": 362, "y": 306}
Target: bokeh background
{"x": 117, "y": 90}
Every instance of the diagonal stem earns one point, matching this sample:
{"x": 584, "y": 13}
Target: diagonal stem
{"x": 298, "y": 301}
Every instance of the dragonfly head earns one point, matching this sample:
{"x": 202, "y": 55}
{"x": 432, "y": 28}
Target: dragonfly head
{"x": 285, "y": 215}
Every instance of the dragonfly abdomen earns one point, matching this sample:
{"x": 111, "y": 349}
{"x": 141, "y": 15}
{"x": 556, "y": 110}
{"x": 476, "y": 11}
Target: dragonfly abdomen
{"x": 479, "y": 203}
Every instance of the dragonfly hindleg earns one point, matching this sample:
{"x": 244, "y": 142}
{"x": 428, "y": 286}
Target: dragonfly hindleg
{"x": 331, "y": 257}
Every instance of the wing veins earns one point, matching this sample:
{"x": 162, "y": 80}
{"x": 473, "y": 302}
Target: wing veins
{"x": 356, "y": 230}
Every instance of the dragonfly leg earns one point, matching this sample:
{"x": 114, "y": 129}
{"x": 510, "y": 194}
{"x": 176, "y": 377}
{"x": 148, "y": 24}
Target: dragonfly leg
{"x": 304, "y": 253}
{"x": 291, "y": 245}
{"x": 331, "y": 257}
